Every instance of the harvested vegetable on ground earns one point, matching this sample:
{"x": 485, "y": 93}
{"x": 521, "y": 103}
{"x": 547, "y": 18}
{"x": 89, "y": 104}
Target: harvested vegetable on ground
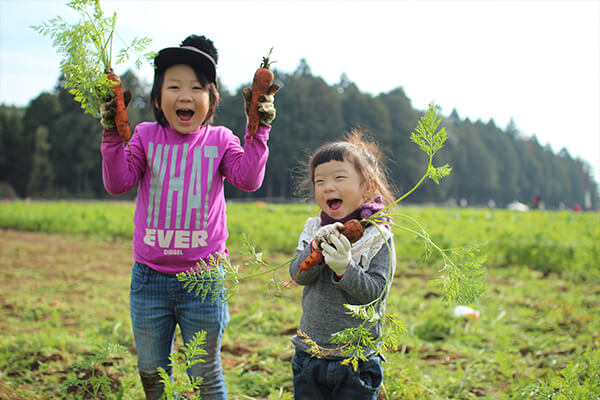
{"x": 262, "y": 85}
{"x": 86, "y": 48}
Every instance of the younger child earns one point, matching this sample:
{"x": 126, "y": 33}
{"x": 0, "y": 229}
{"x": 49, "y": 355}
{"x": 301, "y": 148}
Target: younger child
{"x": 348, "y": 182}
{"x": 180, "y": 163}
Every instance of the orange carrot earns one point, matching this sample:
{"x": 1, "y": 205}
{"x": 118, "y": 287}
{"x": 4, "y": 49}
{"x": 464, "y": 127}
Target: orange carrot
{"x": 353, "y": 230}
{"x": 121, "y": 120}
{"x": 263, "y": 79}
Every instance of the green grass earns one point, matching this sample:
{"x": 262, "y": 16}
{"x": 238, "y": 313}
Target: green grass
{"x": 65, "y": 270}
{"x": 550, "y": 241}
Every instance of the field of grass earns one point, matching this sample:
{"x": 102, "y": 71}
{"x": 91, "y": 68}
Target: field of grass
{"x": 65, "y": 272}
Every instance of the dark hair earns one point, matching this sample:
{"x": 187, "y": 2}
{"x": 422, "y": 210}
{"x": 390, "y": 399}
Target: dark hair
{"x": 206, "y": 45}
{"x": 363, "y": 153}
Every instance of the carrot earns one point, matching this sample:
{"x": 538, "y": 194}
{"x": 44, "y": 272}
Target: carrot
{"x": 263, "y": 79}
{"x": 121, "y": 120}
{"x": 314, "y": 258}
{"x": 353, "y": 230}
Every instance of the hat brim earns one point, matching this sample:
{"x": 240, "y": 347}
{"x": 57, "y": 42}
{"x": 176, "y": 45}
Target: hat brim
{"x": 187, "y": 55}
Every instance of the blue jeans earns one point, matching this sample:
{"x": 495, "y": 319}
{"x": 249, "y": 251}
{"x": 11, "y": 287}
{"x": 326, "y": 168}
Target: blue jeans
{"x": 158, "y": 303}
{"x": 319, "y": 379}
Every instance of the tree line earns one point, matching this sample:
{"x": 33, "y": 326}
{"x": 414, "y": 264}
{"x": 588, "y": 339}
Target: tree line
{"x": 51, "y": 149}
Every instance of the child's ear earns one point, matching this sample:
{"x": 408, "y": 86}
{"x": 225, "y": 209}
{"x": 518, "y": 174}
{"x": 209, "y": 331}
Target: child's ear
{"x": 370, "y": 190}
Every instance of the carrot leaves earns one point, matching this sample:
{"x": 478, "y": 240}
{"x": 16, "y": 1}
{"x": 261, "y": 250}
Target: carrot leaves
{"x": 86, "y": 48}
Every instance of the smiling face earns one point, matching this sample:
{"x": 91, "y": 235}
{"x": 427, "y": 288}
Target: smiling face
{"x": 339, "y": 189}
{"x": 184, "y": 100}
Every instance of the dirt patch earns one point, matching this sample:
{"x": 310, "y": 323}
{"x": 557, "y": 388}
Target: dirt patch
{"x": 237, "y": 349}
{"x": 6, "y": 393}
{"x": 41, "y": 260}
{"x": 52, "y": 279}
{"x": 36, "y": 251}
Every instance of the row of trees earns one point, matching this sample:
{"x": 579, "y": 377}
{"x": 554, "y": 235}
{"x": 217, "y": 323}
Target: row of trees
{"x": 52, "y": 149}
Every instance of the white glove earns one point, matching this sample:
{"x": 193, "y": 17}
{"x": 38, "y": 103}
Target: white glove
{"x": 337, "y": 255}
{"x": 325, "y": 232}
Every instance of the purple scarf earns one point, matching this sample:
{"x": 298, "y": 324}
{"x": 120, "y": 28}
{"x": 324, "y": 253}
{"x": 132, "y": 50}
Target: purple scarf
{"x": 364, "y": 211}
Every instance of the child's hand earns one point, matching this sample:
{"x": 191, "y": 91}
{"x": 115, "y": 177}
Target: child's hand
{"x": 337, "y": 255}
{"x": 325, "y": 232}
{"x": 265, "y": 104}
{"x": 107, "y": 110}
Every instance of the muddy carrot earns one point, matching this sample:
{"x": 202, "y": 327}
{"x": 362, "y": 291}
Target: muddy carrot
{"x": 353, "y": 230}
{"x": 121, "y": 120}
{"x": 263, "y": 79}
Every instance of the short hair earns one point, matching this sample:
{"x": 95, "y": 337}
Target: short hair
{"x": 359, "y": 150}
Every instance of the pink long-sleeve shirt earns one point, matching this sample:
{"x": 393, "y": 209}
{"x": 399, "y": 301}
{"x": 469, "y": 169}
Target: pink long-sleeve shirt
{"x": 180, "y": 215}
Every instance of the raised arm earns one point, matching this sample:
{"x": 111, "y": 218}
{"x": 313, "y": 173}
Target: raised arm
{"x": 245, "y": 167}
{"x": 122, "y": 164}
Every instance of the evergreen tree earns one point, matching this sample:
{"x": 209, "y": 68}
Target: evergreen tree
{"x": 488, "y": 162}
{"x": 11, "y": 144}
{"x": 42, "y": 111}
{"x": 139, "y": 109}
{"x": 41, "y": 178}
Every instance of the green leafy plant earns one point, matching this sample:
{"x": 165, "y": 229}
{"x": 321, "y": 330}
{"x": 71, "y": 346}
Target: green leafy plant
{"x": 220, "y": 278}
{"x": 461, "y": 279}
{"x": 88, "y": 379}
{"x": 87, "y": 50}
{"x": 580, "y": 379}
{"x": 183, "y": 384}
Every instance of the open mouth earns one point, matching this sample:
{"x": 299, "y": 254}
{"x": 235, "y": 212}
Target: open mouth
{"x": 334, "y": 204}
{"x": 185, "y": 115}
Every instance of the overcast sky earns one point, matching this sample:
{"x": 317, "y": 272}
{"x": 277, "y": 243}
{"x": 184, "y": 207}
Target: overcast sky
{"x": 535, "y": 61}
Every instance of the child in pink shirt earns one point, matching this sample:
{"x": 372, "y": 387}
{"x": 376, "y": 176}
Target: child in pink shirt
{"x": 180, "y": 163}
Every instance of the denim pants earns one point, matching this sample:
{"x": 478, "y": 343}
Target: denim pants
{"x": 319, "y": 379}
{"x": 158, "y": 303}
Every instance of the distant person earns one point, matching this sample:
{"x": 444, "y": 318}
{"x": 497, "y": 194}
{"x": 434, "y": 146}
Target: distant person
{"x": 180, "y": 163}
{"x": 537, "y": 202}
{"x": 348, "y": 181}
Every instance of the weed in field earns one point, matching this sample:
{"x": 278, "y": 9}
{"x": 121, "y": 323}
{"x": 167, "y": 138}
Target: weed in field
{"x": 182, "y": 384}
{"x": 580, "y": 379}
{"x": 91, "y": 379}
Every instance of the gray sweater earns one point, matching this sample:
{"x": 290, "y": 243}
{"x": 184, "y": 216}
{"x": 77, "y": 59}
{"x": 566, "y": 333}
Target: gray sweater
{"x": 324, "y": 294}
